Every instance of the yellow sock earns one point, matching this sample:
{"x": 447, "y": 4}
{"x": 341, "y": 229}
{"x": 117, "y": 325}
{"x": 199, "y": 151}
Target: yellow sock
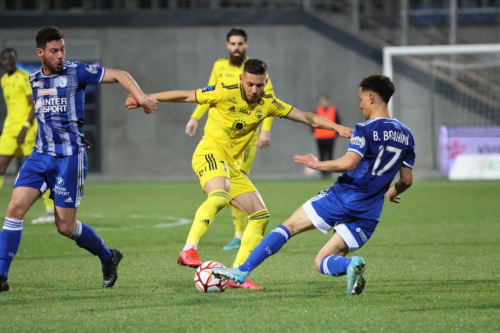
{"x": 49, "y": 204}
{"x": 2, "y": 178}
{"x": 205, "y": 214}
{"x": 254, "y": 233}
{"x": 239, "y": 221}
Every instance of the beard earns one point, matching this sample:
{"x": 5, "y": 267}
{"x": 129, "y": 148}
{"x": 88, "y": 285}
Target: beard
{"x": 237, "y": 60}
{"x": 53, "y": 69}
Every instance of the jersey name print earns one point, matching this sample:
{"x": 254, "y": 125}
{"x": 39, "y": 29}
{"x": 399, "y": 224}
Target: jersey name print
{"x": 385, "y": 145}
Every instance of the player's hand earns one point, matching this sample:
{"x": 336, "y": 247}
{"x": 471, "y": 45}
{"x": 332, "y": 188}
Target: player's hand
{"x": 264, "y": 139}
{"x": 191, "y": 126}
{"x": 131, "y": 102}
{"x": 308, "y": 160}
{"x": 21, "y": 136}
{"x": 87, "y": 144}
{"x": 391, "y": 195}
{"x": 344, "y": 131}
{"x": 149, "y": 105}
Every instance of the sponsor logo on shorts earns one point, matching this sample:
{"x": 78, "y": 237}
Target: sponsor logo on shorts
{"x": 358, "y": 141}
{"x": 362, "y": 235}
{"x": 69, "y": 200}
{"x": 60, "y": 190}
{"x": 60, "y": 181}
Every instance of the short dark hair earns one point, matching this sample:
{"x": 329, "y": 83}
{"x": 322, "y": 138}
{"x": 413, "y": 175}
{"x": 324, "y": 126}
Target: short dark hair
{"x": 379, "y": 84}
{"x": 237, "y": 32}
{"x": 255, "y": 66}
{"x": 47, "y": 34}
{"x": 8, "y": 50}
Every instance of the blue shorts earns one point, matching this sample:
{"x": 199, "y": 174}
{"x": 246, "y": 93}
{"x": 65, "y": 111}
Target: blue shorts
{"x": 326, "y": 211}
{"x": 63, "y": 175}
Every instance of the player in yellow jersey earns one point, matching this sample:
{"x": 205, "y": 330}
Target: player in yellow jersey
{"x": 19, "y": 129}
{"x": 235, "y": 113}
{"x": 228, "y": 71}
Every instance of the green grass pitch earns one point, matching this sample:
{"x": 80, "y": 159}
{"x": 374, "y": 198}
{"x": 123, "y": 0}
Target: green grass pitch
{"x": 432, "y": 266}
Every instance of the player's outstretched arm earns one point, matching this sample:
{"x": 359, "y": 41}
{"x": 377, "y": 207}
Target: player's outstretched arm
{"x": 404, "y": 182}
{"x": 125, "y": 79}
{"x": 347, "y": 162}
{"x": 173, "y": 96}
{"x": 316, "y": 121}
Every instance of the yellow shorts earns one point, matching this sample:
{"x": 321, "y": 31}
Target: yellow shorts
{"x": 245, "y": 163}
{"x": 9, "y": 146}
{"x": 210, "y": 161}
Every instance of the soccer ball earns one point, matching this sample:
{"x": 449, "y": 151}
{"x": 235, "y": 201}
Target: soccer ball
{"x": 206, "y": 282}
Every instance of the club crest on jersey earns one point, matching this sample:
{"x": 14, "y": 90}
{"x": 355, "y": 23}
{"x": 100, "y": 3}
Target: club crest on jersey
{"x": 60, "y": 181}
{"x": 358, "y": 141}
{"x": 209, "y": 88}
{"x": 62, "y": 81}
{"x": 258, "y": 113}
{"x": 91, "y": 69}
{"x": 239, "y": 124}
{"x": 261, "y": 102}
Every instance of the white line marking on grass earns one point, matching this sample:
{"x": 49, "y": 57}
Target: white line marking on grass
{"x": 177, "y": 221}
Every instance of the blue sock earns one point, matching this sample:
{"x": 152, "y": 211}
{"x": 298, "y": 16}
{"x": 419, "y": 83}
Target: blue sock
{"x": 10, "y": 238}
{"x": 269, "y": 246}
{"x": 334, "y": 265}
{"x": 87, "y": 239}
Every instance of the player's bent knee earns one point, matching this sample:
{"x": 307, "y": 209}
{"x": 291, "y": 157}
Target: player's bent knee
{"x": 16, "y": 210}
{"x": 317, "y": 262}
{"x": 65, "y": 229}
{"x": 219, "y": 199}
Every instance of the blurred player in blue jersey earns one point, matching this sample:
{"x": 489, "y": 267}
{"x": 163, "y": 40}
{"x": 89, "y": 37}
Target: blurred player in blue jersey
{"x": 379, "y": 148}
{"x": 59, "y": 161}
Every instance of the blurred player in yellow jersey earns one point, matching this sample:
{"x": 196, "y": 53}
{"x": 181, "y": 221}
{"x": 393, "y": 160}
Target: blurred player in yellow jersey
{"x": 236, "y": 112}
{"x": 228, "y": 71}
{"x": 19, "y": 129}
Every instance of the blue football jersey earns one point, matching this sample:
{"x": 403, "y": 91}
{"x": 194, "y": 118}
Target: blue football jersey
{"x": 384, "y": 145}
{"x": 59, "y": 107}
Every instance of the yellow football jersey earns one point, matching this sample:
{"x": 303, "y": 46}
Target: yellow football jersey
{"x": 231, "y": 120}
{"x": 16, "y": 88}
{"x": 223, "y": 71}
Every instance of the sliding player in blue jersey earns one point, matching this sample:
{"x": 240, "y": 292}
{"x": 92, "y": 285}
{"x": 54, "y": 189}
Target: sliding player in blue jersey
{"x": 59, "y": 160}
{"x": 379, "y": 148}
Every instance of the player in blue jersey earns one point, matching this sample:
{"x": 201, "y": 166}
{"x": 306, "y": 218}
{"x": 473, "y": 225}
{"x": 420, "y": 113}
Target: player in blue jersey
{"x": 379, "y": 148}
{"x": 59, "y": 160}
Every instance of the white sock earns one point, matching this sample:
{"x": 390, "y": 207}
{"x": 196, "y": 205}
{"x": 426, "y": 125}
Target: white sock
{"x": 189, "y": 246}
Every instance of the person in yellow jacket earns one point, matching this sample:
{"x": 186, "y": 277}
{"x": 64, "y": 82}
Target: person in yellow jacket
{"x": 19, "y": 129}
{"x": 228, "y": 71}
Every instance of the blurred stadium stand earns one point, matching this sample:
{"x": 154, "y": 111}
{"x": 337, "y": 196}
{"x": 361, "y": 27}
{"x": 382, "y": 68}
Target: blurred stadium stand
{"x": 338, "y": 42}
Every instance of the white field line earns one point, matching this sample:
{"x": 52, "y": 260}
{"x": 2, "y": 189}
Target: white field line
{"x": 176, "y": 221}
